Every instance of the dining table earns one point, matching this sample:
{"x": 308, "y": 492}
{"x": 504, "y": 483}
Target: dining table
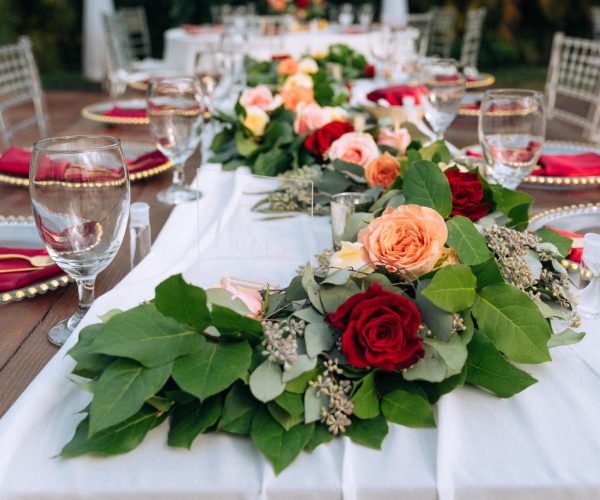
{"x": 25, "y": 351}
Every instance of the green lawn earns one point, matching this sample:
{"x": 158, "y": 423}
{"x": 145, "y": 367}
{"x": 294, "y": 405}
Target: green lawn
{"x": 525, "y": 77}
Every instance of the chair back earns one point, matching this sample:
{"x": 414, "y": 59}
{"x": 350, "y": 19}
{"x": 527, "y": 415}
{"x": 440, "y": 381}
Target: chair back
{"x": 422, "y": 22}
{"x": 20, "y": 88}
{"x": 469, "y": 53}
{"x": 573, "y": 83}
{"x": 118, "y": 50}
{"x": 138, "y": 34}
{"x": 443, "y": 26}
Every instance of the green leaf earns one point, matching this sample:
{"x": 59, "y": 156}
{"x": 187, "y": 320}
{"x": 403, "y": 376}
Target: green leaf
{"x": 272, "y": 162}
{"x": 282, "y": 417}
{"x": 320, "y": 436}
{"x": 365, "y": 399}
{"x": 115, "y": 440}
{"x": 438, "y": 148}
{"x": 89, "y": 364}
{"x": 565, "y": 337}
{"x": 266, "y": 381}
{"x": 299, "y": 384}
{"x": 281, "y": 447}
{"x": 189, "y": 420}
{"x": 339, "y": 277}
{"x": 295, "y": 290}
{"x": 562, "y": 243}
{"x": 452, "y": 288}
{"x": 332, "y": 182}
{"x": 303, "y": 365}
{"x": 121, "y": 391}
{"x": 309, "y": 314}
{"x": 406, "y": 404}
{"x": 469, "y": 244}
{"x": 147, "y": 336}
{"x": 184, "y": 302}
{"x": 291, "y": 403}
{"x": 514, "y": 204}
{"x": 224, "y": 298}
{"x": 230, "y": 323}
{"x": 345, "y": 167}
{"x": 487, "y": 273}
{"x": 212, "y": 369}
{"x": 436, "y": 390}
{"x": 426, "y": 185}
{"x": 333, "y": 297}
{"x": 313, "y": 404}
{"x": 246, "y": 146}
{"x": 312, "y": 288}
{"x": 238, "y": 410}
{"x": 369, "y": 432}
{"x": 354, "y": 224}
{"x": 487, "y": 368}
{"x": 319, "y": 338}
{"x": 513, "y": 323}
{"x": 439, "y": 321}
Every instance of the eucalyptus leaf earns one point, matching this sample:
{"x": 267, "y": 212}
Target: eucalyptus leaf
{"x": 266, "y": 381}
{"x": 566, "y": 337}
{"x": 303, "y": 365}
{"x": 312, "y": 288}
{"x": 319, "y": 338}
{"x": 313, "y": 405}
{"x": 333, "y": 297}
{"x": 354, "y": 224}
{"x": 338, "y": 277}
{"x": 309, "y": 314}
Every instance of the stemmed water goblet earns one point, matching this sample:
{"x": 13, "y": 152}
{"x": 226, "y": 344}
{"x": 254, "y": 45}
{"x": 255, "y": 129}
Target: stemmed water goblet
{"x": 175, "y": 110}
{"x": 209, "y": 71}
{"x": 512, "y": 129}
{"x": 79, "y": 189}
{"x": 443, "y": 90}
{"x": 381, "y": 44}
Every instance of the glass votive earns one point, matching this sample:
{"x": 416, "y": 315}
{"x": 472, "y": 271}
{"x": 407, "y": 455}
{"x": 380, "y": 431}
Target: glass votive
{"x": 343, "y": 205}
{"x": 589, "y": 297}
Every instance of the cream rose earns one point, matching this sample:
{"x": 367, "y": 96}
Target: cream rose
{"x": 298, "y": 80}
{"x": 308, "y": 65}
{"x": 409, "y": 238}
{"x": 336, "y": 114}
{"x": 397, "y": 138}
{"x": 310, "y": 117}
{"x": 248, "y": 296}
{"x": 350, "y": 255}
{"x": 260, "y": 97}
{"x": 354, "y": 147}
{"x": 256, "y": 120}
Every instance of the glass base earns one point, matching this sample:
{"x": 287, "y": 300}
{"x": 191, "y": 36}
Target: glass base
{"x": 175, "y": 195}
{"x": 60, "y": 332}
{"x": 507, "y": 177}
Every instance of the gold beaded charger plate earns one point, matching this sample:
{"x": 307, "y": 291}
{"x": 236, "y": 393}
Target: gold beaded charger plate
{"x": 481, "y": 81}
{"x": 20, "y": 232}
{"x": 131, "y": 150}
{"x": 581, "y": 219}
{"x": 97, "y": 112}
{"x": 547, "y": 181}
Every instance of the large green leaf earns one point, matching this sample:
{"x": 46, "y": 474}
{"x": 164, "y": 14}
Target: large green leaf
{"x": 425, "y": 184}
{"x": 89, "y": 364}
{"x": 487, "y": 368}
{"x": 272, "y": 162}
{"x": 452, "y": 288}
{"x": 320, "y": 436}
{"x": 213, "y": 368}
{"x": 121, "y": 391}
{"x": 406, "y": 404}
{"x": 281, "y": 447}
{"x": 187, "y": 421}
{"x": 514, "y": 204}
{"x": 144, "y": 334}
{"x": 469, "y": 244}
{"x": 184, "y": 302}
{"x": 562, "y": 243}
{"x": 115, "y": 440}
{"x": 370, "y": 432}
{"x": 365, "y": 399}
{"x": 513, "y": 323}
{"x": 238, "y": 410}
{"x": 232, "y": 324}
{"x": 487, "y": 273}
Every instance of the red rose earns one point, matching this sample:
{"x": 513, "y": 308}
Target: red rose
{"x": 467, "y": 193}
{"x": 379, "y": 330}
{"x": 319, "y": 141}
{"x": 369, "y": 71}
{"x": 303, "y": 4}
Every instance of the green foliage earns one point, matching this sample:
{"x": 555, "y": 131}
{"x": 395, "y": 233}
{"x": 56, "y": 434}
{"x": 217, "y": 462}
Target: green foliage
{"x": 452, "y": 288}
{"x": 425, "y": 184}
{"x": 469, "y": 244}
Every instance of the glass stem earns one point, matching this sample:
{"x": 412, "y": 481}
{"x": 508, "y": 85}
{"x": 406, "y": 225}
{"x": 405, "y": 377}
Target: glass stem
{"x": 439, "y": 136}
{"x": 178, "y": 175}
{"x": 85, "y": 289}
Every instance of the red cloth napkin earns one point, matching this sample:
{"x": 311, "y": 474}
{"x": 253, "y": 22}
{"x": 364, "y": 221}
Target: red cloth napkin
{"x": 125, "y": 112}
{"x": 395, "y": 95}
{"x": 15, "y": 161}
{"x": 580, "y": 165}
{"x": 12, "y": 281}
{"x": 147, "y": 161}
{"x": 575, "y": 253}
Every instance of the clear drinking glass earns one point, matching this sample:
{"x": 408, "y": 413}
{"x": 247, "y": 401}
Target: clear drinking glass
{"x": 444, "y": 89}
{"x": 381, "y": 44}
{"x": 346, "y": 15}
{"x": 175, "y": 111}
{"x": 365, "y": 16}
{"x": 209, "y": 71}
{"x": 79, "y": 189}
{"x": 512, "y": 129}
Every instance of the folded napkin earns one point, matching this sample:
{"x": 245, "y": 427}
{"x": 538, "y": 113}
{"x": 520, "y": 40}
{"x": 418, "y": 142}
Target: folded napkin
{"x": 15, "y": 161}
{"x": 13, "y": 281}
{"x": 193, "y": 29}
{"x": 580, "y": 165}
{"x": 125, "y": 112}
{"x": 396, "y": 94}
{"x": 577, "y": 248}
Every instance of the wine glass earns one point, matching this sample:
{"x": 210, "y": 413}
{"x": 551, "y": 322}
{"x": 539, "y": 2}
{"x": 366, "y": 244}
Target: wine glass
{"x": 443, "y": 88}
{"x": 175, "y": 112}
{"x": 512, "y": 129}
{"x": 209, "y": 71}
{"x": 381, "y": 44}
{"x": 365, "y": 16}
{"x": 79, "y": 189}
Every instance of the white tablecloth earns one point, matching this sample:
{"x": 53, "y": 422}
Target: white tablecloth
{"x": 543, "y": 443}
{"x": 181, "y": 47}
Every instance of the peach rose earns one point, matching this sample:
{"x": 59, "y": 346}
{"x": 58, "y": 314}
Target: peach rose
{"x": 410, "y": 238}
{"x": 354, "y": 147}
{"x": 248, "y": 296}
{"x": 260, "y": 97}
{"x": 287, "y": 66}
{"x": 397, "y": 138}
{"x": 310, "y": 117}
{"x": 382, "y": 171}
{"x": 292, "y": 97}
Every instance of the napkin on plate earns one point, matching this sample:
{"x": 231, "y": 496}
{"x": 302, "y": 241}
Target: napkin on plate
{"x": 577, "y": 248}
{"x": 579, "y": 165}
{"x": 13, "y": 281}
{"x": 15, "y": 161}
{"x": 125, "y": 112}
{"x": 146, "y": 161}
{"x": 396, "y": 94}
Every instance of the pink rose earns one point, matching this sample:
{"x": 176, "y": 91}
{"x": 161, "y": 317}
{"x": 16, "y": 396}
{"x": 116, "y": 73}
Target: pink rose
{"x": 397, "y": 138}
{"x": 310, "y": 117}
{"x": 248, "y": 296}
{"x": 354, "y": 147}
{"x": 261, "y": 97}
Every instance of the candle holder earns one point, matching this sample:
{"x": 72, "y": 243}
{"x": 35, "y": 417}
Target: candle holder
{"x": 343, "y": 205}
{"x": 589, "y": 297}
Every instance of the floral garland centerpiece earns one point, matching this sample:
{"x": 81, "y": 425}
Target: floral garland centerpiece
{"x": 304, "y": 10}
